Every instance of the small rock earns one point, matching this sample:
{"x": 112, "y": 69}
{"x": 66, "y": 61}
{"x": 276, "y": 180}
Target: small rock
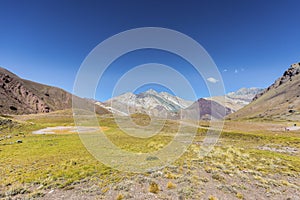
{"x": 157, "y": 174}
{"x": 51, "y": 191}
{"x": 150, "y": 158}
{"x": 40, "y": 187}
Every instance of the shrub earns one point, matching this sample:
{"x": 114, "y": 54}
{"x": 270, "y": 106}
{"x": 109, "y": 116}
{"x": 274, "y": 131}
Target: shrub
{"x": 120, "y": 197}
{"x": 212, "y": 198}
{"x": 153, "y": 188}
{"x": 171, "y": 185}
{"x": 239, "y": 196}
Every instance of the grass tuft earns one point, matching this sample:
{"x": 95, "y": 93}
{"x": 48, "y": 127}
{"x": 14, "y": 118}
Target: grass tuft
{"x": 171, "y": 185}
{"x": 153, "y": 188}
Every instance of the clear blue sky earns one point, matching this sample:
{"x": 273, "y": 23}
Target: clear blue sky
{"x": 251, "y": 41}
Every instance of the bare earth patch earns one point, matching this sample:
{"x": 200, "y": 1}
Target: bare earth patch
{"x": 279, "y": 148}
{"x": 67, "y": 129}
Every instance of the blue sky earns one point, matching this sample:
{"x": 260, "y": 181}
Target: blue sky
{"x": 251, "y": 41}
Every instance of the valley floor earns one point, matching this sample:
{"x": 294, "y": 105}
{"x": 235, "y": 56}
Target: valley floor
{"x": 251, "y": 160}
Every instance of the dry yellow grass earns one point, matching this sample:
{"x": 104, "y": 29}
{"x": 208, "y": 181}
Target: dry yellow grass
{"x": 171, "y": 185}
{"x": 153, "y": 188}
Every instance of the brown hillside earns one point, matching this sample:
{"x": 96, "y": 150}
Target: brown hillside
{"x": 280, "y": 101}
{"x": 19, "y": 96}
{"x": 207, "y": 109}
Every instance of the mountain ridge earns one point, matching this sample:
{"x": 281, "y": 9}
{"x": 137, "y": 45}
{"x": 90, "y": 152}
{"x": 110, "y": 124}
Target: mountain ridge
{"x": 150, "y": 102}
{"x": 20, "y": 96}
{"x": 165, "y": 105}
{"x": 238, "y": 99}
{"x": 280, "y": 101}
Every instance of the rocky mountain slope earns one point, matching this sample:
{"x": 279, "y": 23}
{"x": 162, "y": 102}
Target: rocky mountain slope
{"x": 280, "y": 101}
{"x": 19, "y": 96}
{"x": 237, "y": 100}
{"x": 165, "y": 105}
{"x": 208, "y": 110}
{"x": 150, "y": 102}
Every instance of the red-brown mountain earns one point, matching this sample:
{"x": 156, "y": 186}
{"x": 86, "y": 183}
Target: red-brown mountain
{"x": 19, "y": 96}
{"x": 204, "y": 109}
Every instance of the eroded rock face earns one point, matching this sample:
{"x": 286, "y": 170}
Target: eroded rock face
{"x": 16, "y": 98}
{"x": 20, "y": 96}
{"x": 287, "y": 76}
{"x": 206, "y": 110}
{"x": 280, "y": 101}
{"x": 158, "y": 104}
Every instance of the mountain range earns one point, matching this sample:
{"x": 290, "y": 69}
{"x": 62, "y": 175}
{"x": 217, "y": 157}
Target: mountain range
{"x": 280, "y": 101}
{"x": 165, "y": 105}
{"x": 150, "y": 102}
{"x": 20, "y": 96}
{"x": 237, "y": 100}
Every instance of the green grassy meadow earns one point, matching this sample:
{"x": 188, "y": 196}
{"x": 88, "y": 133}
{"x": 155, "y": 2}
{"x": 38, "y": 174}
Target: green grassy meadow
{"x": 60, "y": 161}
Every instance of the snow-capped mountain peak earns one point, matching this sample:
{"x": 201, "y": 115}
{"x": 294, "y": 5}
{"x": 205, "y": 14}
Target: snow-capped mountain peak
{"x": 150, "y": 102}
{"x": 164, "y": 104}
{"x": 151, "y": 91}
{"x": 238, "y": 99}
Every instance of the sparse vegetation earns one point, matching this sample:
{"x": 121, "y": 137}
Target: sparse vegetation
{"x": 33, "y": 168}
{"x": 171, "y": 185}
{"x": 120, "y": 197}
{"x": 239, "y": 196}
{"x": 153, "y": 188}
{"x": 212, "y": 198}
{"x": 141, "y": 119}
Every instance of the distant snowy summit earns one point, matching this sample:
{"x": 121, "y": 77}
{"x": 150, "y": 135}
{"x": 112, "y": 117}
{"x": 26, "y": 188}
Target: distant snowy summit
{"x": 150, "y": 102}
{"x": 280, "y": 101}
{"x": 237, "y": 100}
{"x": 165, "y": 105}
